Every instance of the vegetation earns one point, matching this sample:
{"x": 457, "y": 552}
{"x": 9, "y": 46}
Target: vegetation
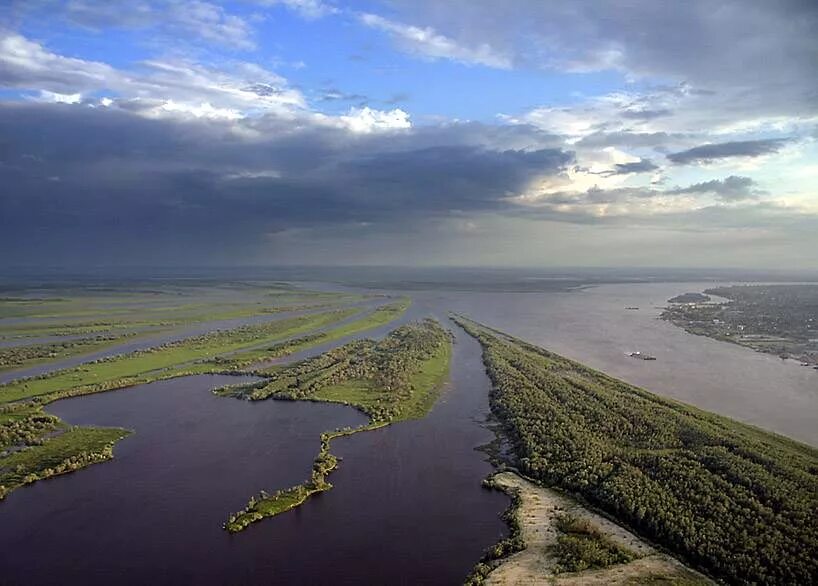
{"x": 391, "y": 380}
{"x": 581, "y": 546}
{"x": 251, "y": 358}
{"x": 76, "y": 448}
{"x": 387, "y": 380}
{"x": 25, "y": 425}
{"x": 777, "y": 319}
{"x": 159, "y": 362}
{"x": 35, "y": 445}
{"x": 735, "y": 501}
{"x": 269, "y": 505}
{"x": 26, "y": 355}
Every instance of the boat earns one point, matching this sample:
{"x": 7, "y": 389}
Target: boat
{"x": 641, "y": 356}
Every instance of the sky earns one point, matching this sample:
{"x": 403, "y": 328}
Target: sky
{"x": 409, "y": 132}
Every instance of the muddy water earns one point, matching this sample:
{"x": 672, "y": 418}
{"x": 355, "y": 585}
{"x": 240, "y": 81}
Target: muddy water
{"x": 594, "y": 327}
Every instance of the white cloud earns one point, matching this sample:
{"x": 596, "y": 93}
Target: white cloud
{"x": 212, "y": 23}
{"x": 309, "y": 9}
{"x": 55, "y": 98}
{"x": 367, "y": 120}
{"x": 26, "y": 64}
{"x": 208, "y": 21}
{"x": 431, "y": 44}
{"x": 157, "y": 87}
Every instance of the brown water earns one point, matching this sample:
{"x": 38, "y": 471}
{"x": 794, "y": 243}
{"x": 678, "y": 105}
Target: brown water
{"x": 592, "y": 326}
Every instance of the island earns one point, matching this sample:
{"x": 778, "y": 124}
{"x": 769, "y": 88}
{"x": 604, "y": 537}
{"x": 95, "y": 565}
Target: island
{"x": 392, "y": 380}
{"x": 690, "y": 298}
{"x": 775, "y": 319}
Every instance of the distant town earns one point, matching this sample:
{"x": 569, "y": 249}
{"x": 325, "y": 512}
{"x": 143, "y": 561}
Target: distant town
{"x": 776, "y": 319}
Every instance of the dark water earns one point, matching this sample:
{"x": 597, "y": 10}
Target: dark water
{"x": 407, "y": 507}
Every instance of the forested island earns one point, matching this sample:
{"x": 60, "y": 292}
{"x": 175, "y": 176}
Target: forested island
{"x": 731, "y": 500}
{"x": 690, "y": 298}
{"x": 776, "y": 319}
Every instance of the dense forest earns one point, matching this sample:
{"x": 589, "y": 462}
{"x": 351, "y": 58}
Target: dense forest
{"x": 732, "y": 500}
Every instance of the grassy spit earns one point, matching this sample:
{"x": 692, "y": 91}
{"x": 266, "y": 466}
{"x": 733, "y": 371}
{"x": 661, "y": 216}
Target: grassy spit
{"x": 35, "y": 444}
{"x": 396, "y": 379}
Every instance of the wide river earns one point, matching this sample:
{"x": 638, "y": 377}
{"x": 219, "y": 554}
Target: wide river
{"x": 407, "y": 507}
{"x": 593, "y": 326}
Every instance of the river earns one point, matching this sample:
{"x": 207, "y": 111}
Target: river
{"x": 407, "y": 507}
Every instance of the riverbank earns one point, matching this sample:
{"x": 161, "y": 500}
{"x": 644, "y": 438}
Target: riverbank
{"x": 537, "y": 514}
{"x": 665, "y": 469}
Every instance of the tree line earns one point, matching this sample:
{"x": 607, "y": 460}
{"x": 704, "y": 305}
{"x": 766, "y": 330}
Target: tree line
{"x": 732, "y": 500}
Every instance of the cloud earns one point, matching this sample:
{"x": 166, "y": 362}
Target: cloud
{"x": 643, "y": 114}
{"x": 641, "y": 166}
{"x": 366, "y": 120}
{"x": 430, "y": 44}
{"x": 732, "y": 188}
{"x": 157, "y": 87}
{"x": 332, "y": 94}
{"x": 212, "y": 22}
{"x": 673, "y": 41}
{"x": 206, "y": 187}
{"x": 26, "y": 64}
{"x": 711, "y": 152}
{"x": 309, "y": 9}
{"x": 601, "y": 139}
{"x": 188, "y": 19}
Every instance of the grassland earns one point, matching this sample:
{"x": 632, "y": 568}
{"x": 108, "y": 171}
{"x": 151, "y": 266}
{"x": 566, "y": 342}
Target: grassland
{"x": 251, "y": 360}
{"x": 163, "y": 361}
{"x": 74, "y": 448}
{"x": 396, "y": 379}
{"x": 731, "y": 500}
{"x": 16, "y": 357}
{"x": 35, "y": 445}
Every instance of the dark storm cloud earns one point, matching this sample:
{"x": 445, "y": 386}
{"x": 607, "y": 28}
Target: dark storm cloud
{"x": 641, "y": 166}
{"x": 104, "y": 181}
{"x": 732, "y": 188}
{"x": 723, "y": 150}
